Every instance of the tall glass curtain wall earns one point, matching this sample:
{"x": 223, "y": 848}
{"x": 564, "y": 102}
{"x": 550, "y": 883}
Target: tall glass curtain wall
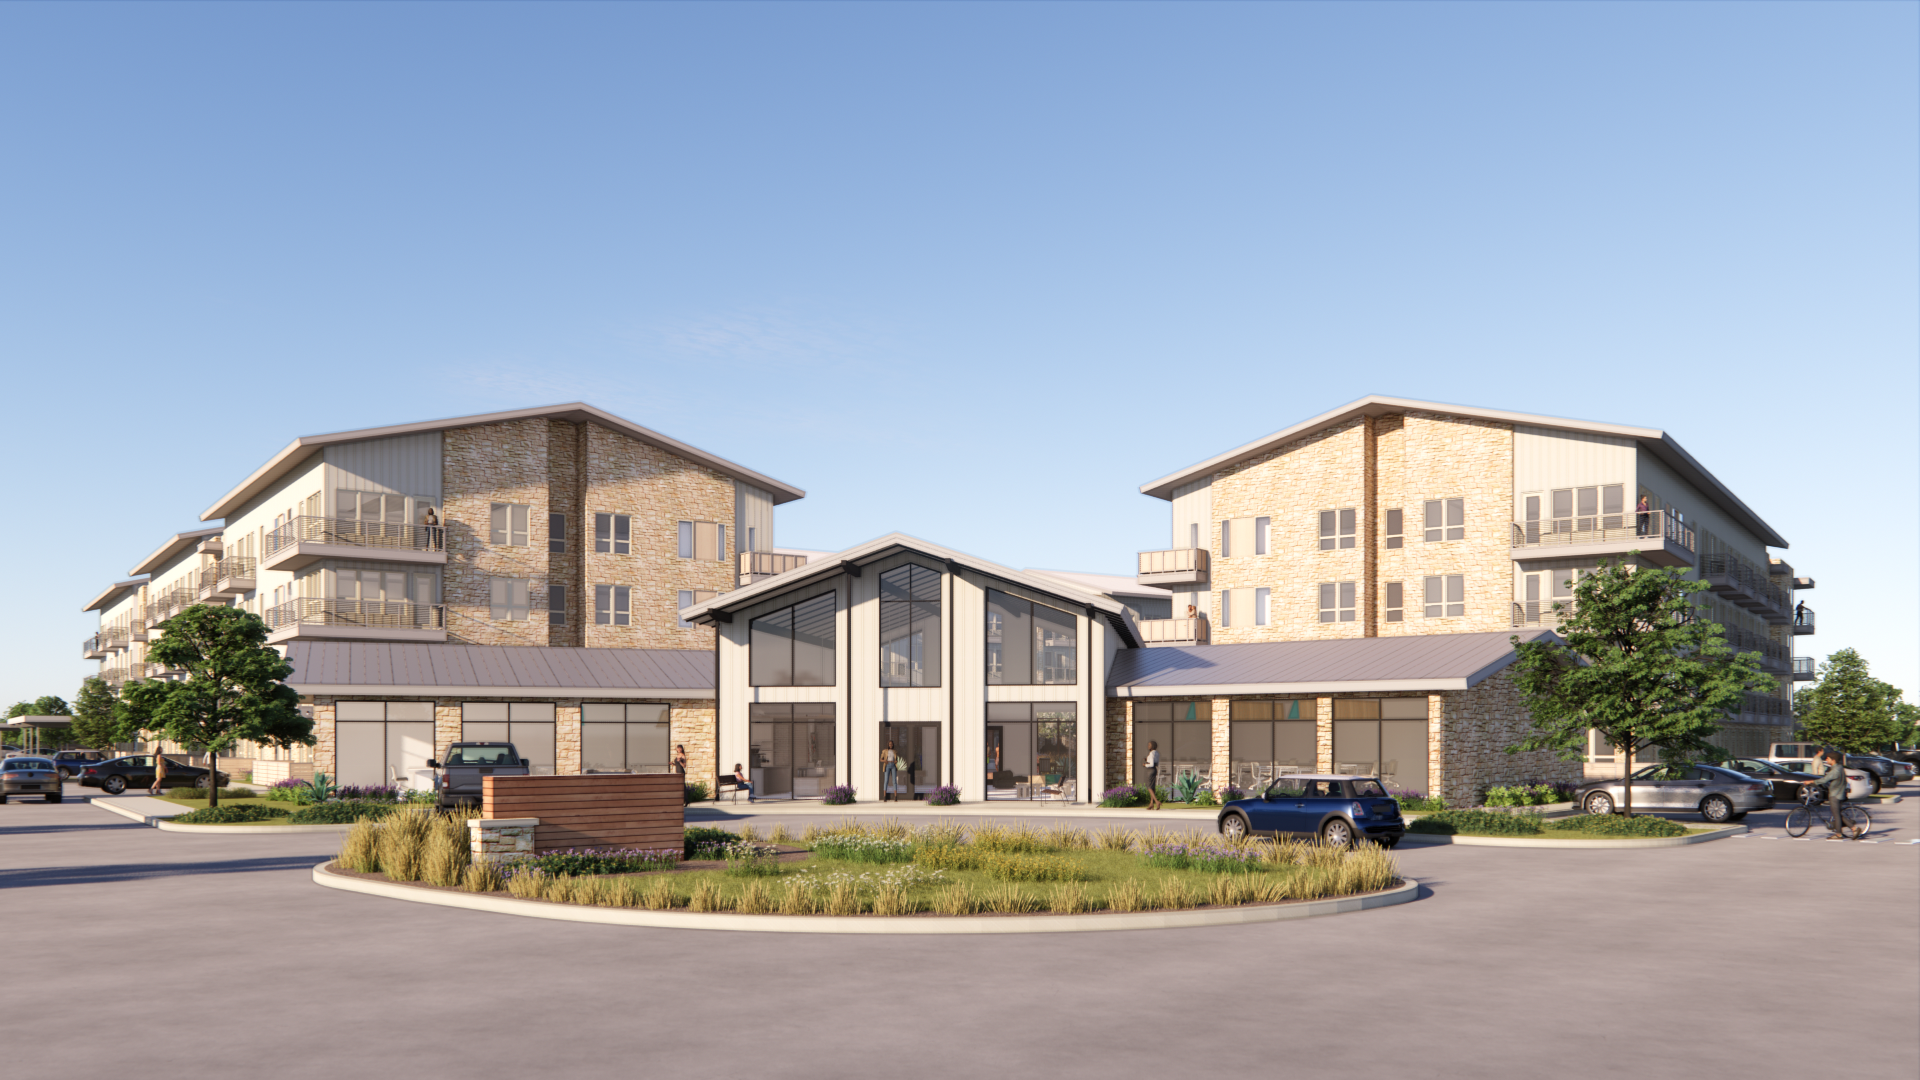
{"x": 791, "y": 749}
{"x": 630, "y": 738}
{"x": 1384, "y": 737}
{"x": 381, "y": 743}
{"x": 793, "y": 646}
{"x": 528, "y": 725}
{"x": 1183, "y": 733}
{"x": 1269, "y": 739}
{"x": 910, "y": 627}
{"x": 915, "y": 763}
{"x": 1029, "y": 644}
{"x": 1032, "y": 750}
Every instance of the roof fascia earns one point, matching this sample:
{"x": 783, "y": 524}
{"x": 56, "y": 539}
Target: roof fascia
{"x": 175, "y": 545}
{"x": 540, "y": 692}
{"x": 1358, "y": 686}
{"x": 111, "y": 595}
{"x": 1659, "y": 442}
{"x": 305, "y": 446}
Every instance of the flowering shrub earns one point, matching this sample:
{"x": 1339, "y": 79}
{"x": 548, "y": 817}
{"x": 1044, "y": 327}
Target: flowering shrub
{"x": 292, "y": 789}
{"x": 862, "y": 848}
{"x": 871, "y": 881}
{"x": 1232, "y": 792}
{"x": 369, "y": 792}
{"x": 706, "y": 842}
{"x": 576, "y": 861}
{"x": 227, "y": 815}
{"x": 944, "y": 795}
{"x": 1124, "y": 795}
{"x": 1416, "y": 802}
{"x": 839, "y": 795}
{"x": 339, "y": 812}
{"x": 1202, "y": 855}
{"x": 1527, "y": 795}
{"x": 748, "y": 859}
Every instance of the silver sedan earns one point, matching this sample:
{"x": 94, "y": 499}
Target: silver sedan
{"x": 29, "y": 776}
{"x": 1719, "y": 795}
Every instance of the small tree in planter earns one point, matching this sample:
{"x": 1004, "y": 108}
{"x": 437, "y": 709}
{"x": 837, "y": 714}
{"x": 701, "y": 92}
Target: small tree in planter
{"x": 233, "y": 689}
{"x": 1638, "y": 666}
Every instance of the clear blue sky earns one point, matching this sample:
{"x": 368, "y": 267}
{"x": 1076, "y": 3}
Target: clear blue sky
{"x": 971, "y": 271}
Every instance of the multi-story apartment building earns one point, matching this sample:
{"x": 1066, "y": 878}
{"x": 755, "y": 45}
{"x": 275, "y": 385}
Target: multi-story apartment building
{"x": 454, "y": 544}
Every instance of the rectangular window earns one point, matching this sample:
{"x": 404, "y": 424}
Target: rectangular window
{"x": 1262, "y": 601}
{"x": 617, "y": 738}
{"x": 1587, "y": 508}
{"x": 613, "y": 534}
{"x": 612, "y": 605}
{"x": 1337, "y": 528}
{"x": 1244, "y": 607}
{"x": 686, "y": 539}
{"x": 556, "y": 605}
{"x": 1562, "y": 510}
{"x": 703, "y": 540}
{"x": 1446, "y": 519}
{"x": 1032, "y": 750}
{"x": 1396, "y": 610}
{"x": 1446, "y": 596}
{"x": 910, "y": 626}
{"x": 1193, "y": 534}
{"x": 1395, "y": 532}
{"x": 1261, "y": 526}
{"x": 1613, "y": 505}
{"x": 689, "y": 597}
{"x": 794, "y": 646}
{"x": 753, "y": 538}
{"x": 509, "y": 598}
{"x": 791, "y": 750}
{"x": 1337, "y": 601}
{"x": 1456, "y": 519}
{"x": 509, "y": 525}
{"x": 1244, "y": 536}
{"x": 1030, "y": 644}
{"x": 557, "y": 533}
{"x": 1226, "y": 539}
{"x": 1598, "y": 749}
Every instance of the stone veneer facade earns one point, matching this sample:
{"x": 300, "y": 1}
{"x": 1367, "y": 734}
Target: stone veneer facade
{"x": 1370, "y": 465}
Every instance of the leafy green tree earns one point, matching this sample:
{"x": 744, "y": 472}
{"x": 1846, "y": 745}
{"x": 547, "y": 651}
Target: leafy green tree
{"x": 232, "y": 689}
{"x": 1850, "y": 709}
{"x": 1638, "y": 665}
{"x": 47, "y": 705}
{"x": 95, "y": 724}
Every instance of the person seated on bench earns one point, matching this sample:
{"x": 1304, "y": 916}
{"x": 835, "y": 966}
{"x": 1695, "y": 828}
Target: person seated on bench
{"x": 741, "y": 782}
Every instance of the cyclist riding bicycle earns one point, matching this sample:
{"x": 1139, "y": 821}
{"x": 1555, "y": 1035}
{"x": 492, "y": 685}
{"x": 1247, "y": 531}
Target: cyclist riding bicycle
{"x": 1835, "y": 780}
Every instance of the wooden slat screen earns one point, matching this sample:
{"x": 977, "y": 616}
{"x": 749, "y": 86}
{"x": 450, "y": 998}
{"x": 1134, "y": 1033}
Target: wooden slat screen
{"x": 624, "y": 810}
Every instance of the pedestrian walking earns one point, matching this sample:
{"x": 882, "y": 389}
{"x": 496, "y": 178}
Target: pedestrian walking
{"x": 159, "y": 774}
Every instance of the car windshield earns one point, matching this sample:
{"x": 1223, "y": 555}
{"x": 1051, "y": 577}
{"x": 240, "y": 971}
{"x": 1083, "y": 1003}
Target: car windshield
{"x": 1369, "y": 789}
{"x": 480, "y": 755}
{"x": 28, "y": 763}
{"x": 1750, "y": 765}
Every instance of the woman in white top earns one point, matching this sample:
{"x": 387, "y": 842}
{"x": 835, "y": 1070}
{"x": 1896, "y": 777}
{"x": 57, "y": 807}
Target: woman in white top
{"x": 1153, "y": 771}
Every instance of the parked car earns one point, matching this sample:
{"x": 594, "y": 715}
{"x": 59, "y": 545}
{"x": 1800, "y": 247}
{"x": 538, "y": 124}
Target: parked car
{"x": 461, "y": 777}
{"x": 1882, "y": 770}
{"x": 118, "y": 775}
{"x": 71, "y": 762}
{"x": 1800, "y": 757}
{"x": 1785, "y": 783}
{"x": 1337, "y": 809}
{"x": 1719, "y": 795}
{"x": 27, "y": 775}
{"x": 1908, "y": 754}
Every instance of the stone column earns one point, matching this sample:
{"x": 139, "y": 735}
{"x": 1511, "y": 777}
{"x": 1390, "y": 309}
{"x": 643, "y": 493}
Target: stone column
{"x": 1323, "y": 734}
{"x": 1222, "y": 763}
{"x": 500, "y": 839}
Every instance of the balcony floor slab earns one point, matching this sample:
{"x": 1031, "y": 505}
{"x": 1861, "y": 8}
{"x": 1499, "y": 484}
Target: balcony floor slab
{"x": 306, "y": 553}
{"x": 1654, "y": 549}
{"x": 325, "y": 632}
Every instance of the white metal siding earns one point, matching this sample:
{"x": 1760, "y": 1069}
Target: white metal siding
{"x": 402, "y": 465}
{"x": 752, "y": 509}
{"x": 1545, "y": 459}
{"x": 1701, "y": 512}
{"x": 1193, "y": 505}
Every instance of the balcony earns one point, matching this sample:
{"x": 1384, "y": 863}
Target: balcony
{"x": 312, "y": 618}
{"x": 1802, "y": 621}
{"x": 115, "y": 674}
{"x": 114, "y": 638}
{"x": 1765, "y": 709}
{"x": 307, "y": 540}
{"x": 1776, "y": 657}
{"x": 758, "y": 565}
{"x": 94, "y": 648}
{"x": 1175, "y": 568}
{"x": 235, "y": 575}
{"x": 1536, "y": 613}
{"x": 1739, "y": 581}
{"x": 1174, "y": 631}
{"x": 1803, "y": 669}
{"x": 1664, "y": 539}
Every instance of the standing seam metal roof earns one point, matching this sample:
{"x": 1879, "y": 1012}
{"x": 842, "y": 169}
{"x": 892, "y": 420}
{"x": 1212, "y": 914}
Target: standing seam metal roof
{"x": 378, "y": 664}
{"x": 1462, "y": 660}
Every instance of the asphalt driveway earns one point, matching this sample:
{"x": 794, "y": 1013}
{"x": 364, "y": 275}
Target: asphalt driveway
{"x": 1516, "y": 963}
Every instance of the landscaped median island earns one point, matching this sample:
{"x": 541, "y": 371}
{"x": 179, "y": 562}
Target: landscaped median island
{"x": 1497, "y": 823}
{"x": 882, "y": 869}
{"x": 292, "y": 802}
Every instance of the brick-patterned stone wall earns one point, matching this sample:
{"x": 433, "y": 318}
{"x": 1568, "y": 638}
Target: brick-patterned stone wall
{"x": 566, "y": 738}
{"x": 659, "y": 490}
{"x": 1475, "y": 728}
{"x": 566, "y": 494}
{"x": 323, "y": 735}
{"x": 1436, "y": 456}
{"x": 1292, "y": 485}
{"x": 480, "y": 466}
{"x": 692, "y": 726}
{"x": 500, "y": 839}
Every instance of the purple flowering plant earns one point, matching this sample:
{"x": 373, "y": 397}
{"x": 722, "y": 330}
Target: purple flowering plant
{"x": 1124, "y": 795}
{"x": 839, "y": 795}
{"x": 944, "y": 795}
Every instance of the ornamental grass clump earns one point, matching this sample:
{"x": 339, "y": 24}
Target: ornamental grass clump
{"x": 999, "y": 838}
{"x": 527, "y": 885}
{"x": 659, "y": 895}
{"x": 1217, "y": 855}
{"x": 864, "y": 849}
{"x": 483, "y": 877}
{"x": 782, "y": 835}
{"x": 758, "y": 898}
{"x": 360, "y": 850}
{"x": 447, "y": 854}
{"x": 1010, "y": 899}
{"x": 1010, "y": 867}
{"x": 1174, "y": 894}
{"x": 706, "y": 897}
{"x": 1128, "y": 895}
{"x": 1069, "y": 899}
{"x": 802, "y": 896}
{"x": 843, "y": 898}
{"x": 946, "y": 857}
{"x": 1116, "y": 839}
{"x": 891, "y": 899}
{"x": 955, "y": 899}
{"x": 403, "y": 842}
{"x": 941, "y": 834}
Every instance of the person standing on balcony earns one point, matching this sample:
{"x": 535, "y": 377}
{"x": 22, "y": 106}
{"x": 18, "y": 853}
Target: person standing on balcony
{"x": 1643, "y": 515}
{"x": 432, "y": 521}
{"x": 1800, "y": 613}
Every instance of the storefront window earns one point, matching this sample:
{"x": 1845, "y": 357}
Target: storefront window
{"x": 791, "y": 748}
{"x": 1033, "y": 750}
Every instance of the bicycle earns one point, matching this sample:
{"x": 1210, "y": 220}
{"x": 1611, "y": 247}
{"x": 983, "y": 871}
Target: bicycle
{"x": 1854, "y": 822}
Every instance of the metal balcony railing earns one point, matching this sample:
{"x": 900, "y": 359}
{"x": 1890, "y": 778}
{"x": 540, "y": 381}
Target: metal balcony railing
{"x": 373, "y": 614}
{"x": 115, "y": 636}
{"x": 93, "y": 648}
{"x": 1803, "y": 668}
{"x": 1538, "y": 613}
{"x": 1174, "y": 561}
{"x": 1745, "y": 584}
{"x": 387, "y": 535}
{"x": 1765, "y": 705}
{"x": 1773, "y": 654}
{"x": 1193, "y": 631}
{"x": 754, "y": 565}
{"x": 1594, "y": 529}
{"x": 234, "y": 568}
{"x": 1803, "y": 620}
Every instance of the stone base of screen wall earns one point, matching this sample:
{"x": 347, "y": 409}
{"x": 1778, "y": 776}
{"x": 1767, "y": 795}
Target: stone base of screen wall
{"x": 500, "y": 839}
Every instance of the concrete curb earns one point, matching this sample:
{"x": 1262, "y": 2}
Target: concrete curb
{"x": 867, "y": 924}
{"x": 129, "y": 813}
{"x": 1430, "y": 840}
{"x": 246, "y": 830}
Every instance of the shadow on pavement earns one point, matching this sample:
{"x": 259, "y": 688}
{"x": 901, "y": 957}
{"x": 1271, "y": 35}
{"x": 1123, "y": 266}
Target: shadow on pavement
{"x": 17, "y": 830}
{"x": 29, "y": 877}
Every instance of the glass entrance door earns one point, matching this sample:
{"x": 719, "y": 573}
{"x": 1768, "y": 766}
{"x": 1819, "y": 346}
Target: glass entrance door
{"x": 792, "y": 750}
{"x": 912, "y": 769}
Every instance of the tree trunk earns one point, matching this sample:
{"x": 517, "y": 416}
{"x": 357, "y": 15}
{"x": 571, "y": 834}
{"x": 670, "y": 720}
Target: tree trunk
{"x": 213, "y": 780}
{"x": 1626, "y": 779}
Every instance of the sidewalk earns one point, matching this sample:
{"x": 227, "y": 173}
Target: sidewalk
{"x": 141, "y": 808}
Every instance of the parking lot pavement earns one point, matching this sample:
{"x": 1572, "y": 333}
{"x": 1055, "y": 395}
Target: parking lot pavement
{"x": 1655, "y": 963}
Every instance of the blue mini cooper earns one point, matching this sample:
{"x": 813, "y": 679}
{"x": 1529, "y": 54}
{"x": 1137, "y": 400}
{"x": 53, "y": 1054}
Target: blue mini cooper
{"x": 1337, "y": 809}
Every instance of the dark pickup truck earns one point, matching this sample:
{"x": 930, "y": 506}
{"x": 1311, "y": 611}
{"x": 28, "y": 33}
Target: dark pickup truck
{"x": 458, "y": 778}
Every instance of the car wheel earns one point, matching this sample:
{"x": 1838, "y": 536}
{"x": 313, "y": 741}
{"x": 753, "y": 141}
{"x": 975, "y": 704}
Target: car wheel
{"x": 1716, "y": 808}
{"x": 3, "y": 800}
{"x": 1338, "y": 833}
{"x": 1875, "y": 778}
{"x": 1233, "y": 827}
{"x": 114, "y": 785}
{"x": 201, "y": 783}
{"x": 65, "y": 776}
{"x": 1599, "y": 803}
